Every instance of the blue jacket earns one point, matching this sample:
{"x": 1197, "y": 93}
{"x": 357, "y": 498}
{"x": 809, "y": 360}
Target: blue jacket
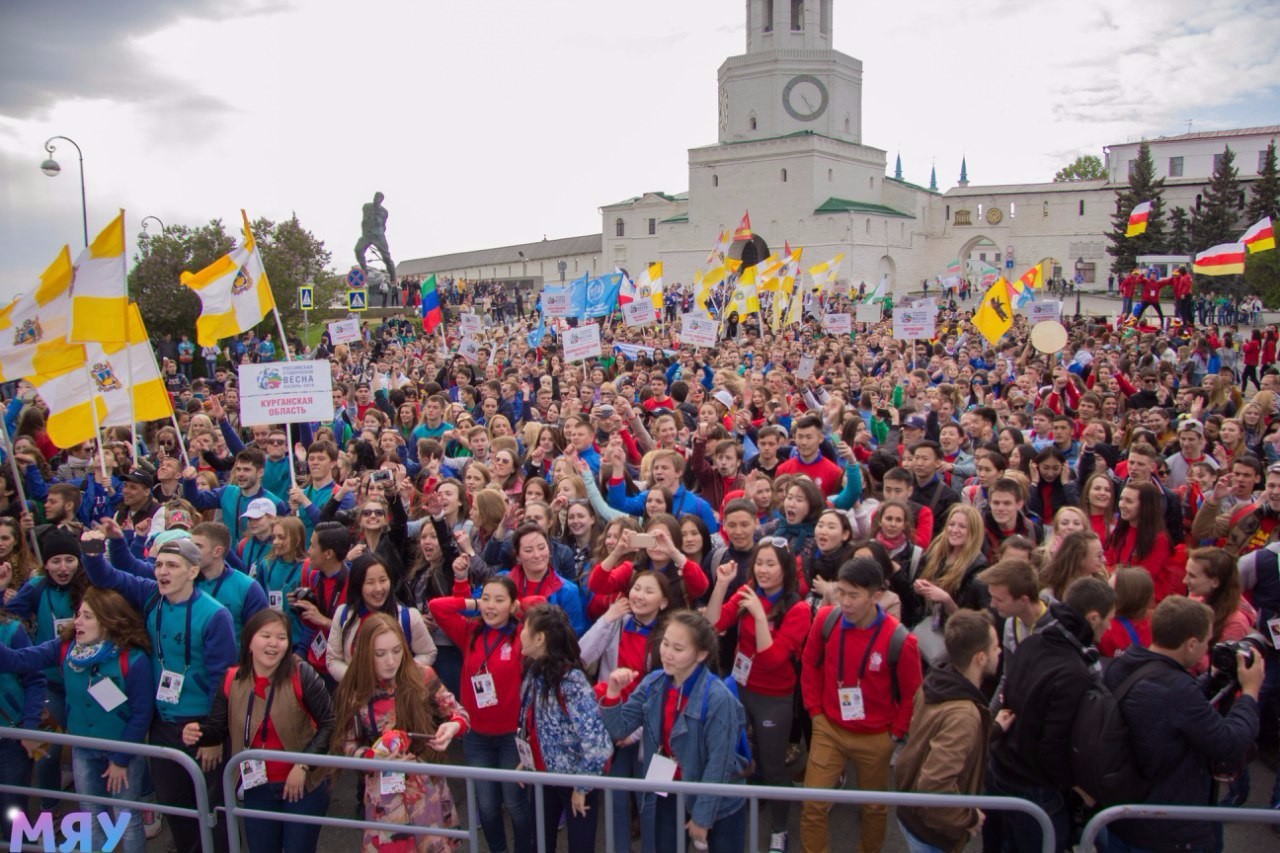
{"x": 704, "y": 743}
{"x": 1176, "y": 735}
{"x": 44, "y": 602}
{"x": 571, "y": 737}
{"x": 683, "y": 502}
{"x": 231, "y": 501}
{"x": 21, "y": 697}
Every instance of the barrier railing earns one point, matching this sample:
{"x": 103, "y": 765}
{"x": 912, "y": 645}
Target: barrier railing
{"x": 470, "y": 775}
{"x": 1214, "y": 814}
{"x": 202, "y": 813}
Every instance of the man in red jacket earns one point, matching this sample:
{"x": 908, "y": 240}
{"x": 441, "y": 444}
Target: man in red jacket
{"x": 1151, "y": 287}
{"x": 1128, "y": 285}
{"x": 860, "y": 694}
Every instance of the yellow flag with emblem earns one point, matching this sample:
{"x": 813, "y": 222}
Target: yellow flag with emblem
{"x": 994, "y": 316}
{"x": 34, "y": 327}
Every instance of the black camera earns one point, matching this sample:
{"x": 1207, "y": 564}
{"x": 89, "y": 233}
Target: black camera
{"x": 1224, "y": 657}
{"x": 302, "y": 593}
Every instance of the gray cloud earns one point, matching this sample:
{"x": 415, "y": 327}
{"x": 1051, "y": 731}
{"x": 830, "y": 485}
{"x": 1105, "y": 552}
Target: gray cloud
{"x": 51, "y": 50}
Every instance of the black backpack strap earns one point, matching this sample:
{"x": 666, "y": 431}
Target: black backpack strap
{"x": 896, "y": 642}
{"x": 1134, "y": 677}
{"x": 828, "y": 627}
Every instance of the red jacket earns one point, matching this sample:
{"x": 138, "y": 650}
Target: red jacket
{"x": 1129, "y": 285}
{"x": 1151, "y": 288}
{"x": 773, "y": 671}
{"x": 825, "y": 473}
{"x": 611, "y": 583}
{"x": 1156, "y": 563}
{"x": 503, "y": 662}
{"x": 819, "y": 675}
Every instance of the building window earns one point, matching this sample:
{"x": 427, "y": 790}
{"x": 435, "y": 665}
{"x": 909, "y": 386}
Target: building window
{"x": 751, "y": 123}
{"x": 982, "y": 256}
{"x": 1262, "y": 161}
{"x": 797, "y": 15}
{"x": 831, "y": 175}
{"x": 902, "y": 230}
{"x": 653, "y": 225}
{"x": 1132, "y": 166}
{"x": 1240, "y": 203}
{"x": 715, "y": 180}
{"x": 619, "y": 229}
{"x": 768, "y": 16}
{"x": 868, "y": 224}
{"x": 784, "y": 176}
{"x": 1217, "y": 161}
{"x": 980, "y": 212}
{"x": 824, "y": 19}
{"x": 1081, "y": 213}
{"x": 1198, "y": 200}
{"x": 846, "y": 124}
{"x": 948, "y": 213}
{"x": 1175, "y": 167}
{"x": 1046, "y": 210}
{"x": 998, "y": 258}
{"x": 1013, "y": 210}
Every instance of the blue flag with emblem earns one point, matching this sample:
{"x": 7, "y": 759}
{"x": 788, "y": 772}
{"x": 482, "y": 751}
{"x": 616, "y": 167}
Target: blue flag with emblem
{"x": 577, "y": 290}
{"x": 536, "y": 336}
{"x": 599, "y": 296}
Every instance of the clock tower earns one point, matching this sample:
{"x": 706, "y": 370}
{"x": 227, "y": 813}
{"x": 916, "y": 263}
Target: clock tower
{"x": 790, "y": 79}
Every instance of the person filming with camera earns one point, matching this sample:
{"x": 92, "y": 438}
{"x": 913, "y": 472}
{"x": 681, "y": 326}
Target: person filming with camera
{"x": 1178, "y": 735}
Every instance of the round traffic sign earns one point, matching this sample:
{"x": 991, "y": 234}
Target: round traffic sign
{"x": 355, "y": 278}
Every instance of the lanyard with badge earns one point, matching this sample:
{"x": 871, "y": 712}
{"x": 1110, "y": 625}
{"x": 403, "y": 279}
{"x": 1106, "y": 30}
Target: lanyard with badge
{"x": 389, "y": 782}
{"x": 523, "y": 747}
{"x": 275, "y": 597}
{"x": 170, "y": 689}
{"x": 851, "y": 704}
{"x": 105, "y": 691}
{"x": 254, "y": 771}
{"x": 320, "y": 642}
{"x": 742, "y": 661}
{"x": 58, "y": 624}
{"x": 482, "y": 684}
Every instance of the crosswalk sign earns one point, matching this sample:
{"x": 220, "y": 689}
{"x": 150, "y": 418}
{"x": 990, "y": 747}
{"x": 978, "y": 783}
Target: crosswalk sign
{"x": 305, "y": 298}
{"x": 357, "y": 300}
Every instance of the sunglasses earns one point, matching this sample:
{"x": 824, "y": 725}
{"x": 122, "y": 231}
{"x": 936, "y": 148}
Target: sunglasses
{"x": 275, "y": 441}
{"x": 775, "y": 541}
{"x": 368, "y": 513}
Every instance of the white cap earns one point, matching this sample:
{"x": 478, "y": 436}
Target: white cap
{"x": 258, "y": 507}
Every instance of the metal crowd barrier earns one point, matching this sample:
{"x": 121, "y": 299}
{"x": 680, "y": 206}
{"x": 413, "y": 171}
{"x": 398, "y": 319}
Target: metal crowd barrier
{"x": 202, "y": 813}
{"x": 470, "y": 775}
{"x": 1214, "y": 814}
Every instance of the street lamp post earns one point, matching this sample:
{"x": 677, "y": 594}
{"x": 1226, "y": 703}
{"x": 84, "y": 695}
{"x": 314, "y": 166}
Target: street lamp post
{"x": 51, "y": 168}
{"x": 144, "y": 235}
{"x": 1079, "y": 281}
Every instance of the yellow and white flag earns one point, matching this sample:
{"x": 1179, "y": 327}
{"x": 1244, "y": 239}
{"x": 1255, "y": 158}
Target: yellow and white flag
{"x": 824, "y": 274}
{"x": 234, "y": 291}
{"x": 99, "y": 294}
{"x": 746, "y": 298}
{"x": 73, "y": 404}
{"x": 650, "y": 284}
{"x": 790, "y": 270}
{"x": 134, "y": 363}
{"x": 795, "y": 313}
{"x": 34, "y": 327}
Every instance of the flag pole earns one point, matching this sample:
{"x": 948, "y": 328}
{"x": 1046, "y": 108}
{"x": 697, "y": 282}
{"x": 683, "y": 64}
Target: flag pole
{"x": 97, "y": 426}
{"x": 17, "y": 483}
{"x": 182, "y": 445}
{"x": 288, "y": 430}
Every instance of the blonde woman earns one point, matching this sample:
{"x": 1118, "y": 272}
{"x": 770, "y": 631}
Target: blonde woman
{"x": 1067, "y": 520}
{"x": 948, "y": 581}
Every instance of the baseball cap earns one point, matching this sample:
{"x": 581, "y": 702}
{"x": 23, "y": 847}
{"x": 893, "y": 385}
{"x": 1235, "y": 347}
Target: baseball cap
{"x": 142, "y": 478}
{"x": 258, "y": 507}
{"x": 184, "y": 548}
{"x": 1192, "y": 425}
{"x": 915, "y": 422}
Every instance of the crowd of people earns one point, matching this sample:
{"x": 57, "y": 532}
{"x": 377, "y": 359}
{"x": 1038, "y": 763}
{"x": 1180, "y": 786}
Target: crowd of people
{"x": 926, "y": 564}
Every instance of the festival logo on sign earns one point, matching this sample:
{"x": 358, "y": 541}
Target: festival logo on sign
{"x": 105, "y": 378}
{"x": 241, "y": 284}
{"x": 30, "y": 332}
{"x": 270, "y": 380}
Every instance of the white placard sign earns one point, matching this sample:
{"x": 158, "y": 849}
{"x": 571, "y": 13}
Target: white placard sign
{"x": 870, "y": 313}
{"x": 555, "y": 304}
{"x": 697, "y": 329}
{"x": 281, "y": 392}
{"x": 805, "y": 370}
{"x": 913, "y": 323}
{"x": 638, "y": 313}
{"x": 344, "y": 331}
{"x": 470, "y": 324}
{"x": 837, "y": 324}
{"x": 582, "y": 343}
{"x": 469, "y": 349}
{"x": 1038, "y": 312}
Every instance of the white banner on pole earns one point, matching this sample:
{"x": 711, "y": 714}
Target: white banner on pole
{"x": 869, "y": 313}
{"x": 470, "y": 324}
{"x": 469, "y": 349}
{"x": 697, "y": 329}
{"x": 1038, "y": 312}
{"x": 638, "y": 313}
{"x": 555, "y": 304}
{"x": 582, "y": 343}
{"x": 281, "y": 392}
{"x": 344, "y": 331}
{"x": 914, "y": 323}
{"x": 805, "y": 370}
{"x": 837, "y": 324}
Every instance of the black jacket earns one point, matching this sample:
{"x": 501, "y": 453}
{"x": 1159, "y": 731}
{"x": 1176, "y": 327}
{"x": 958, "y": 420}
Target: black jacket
{"x": 1045, "y": 682}
{"x": 1175, "y": 735}
{"x": 939, "y": 497}
{"x": 993, "y": 535}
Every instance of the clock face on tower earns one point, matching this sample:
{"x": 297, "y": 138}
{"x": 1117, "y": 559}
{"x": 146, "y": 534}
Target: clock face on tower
{"x": 804, "y": 97}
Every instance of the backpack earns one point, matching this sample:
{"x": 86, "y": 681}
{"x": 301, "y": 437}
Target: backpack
{"x": 1102, "y": 760}
{"x": 896, "y": 641}
{"x": 296, "y": 678}
{"x": 742, "y": 746}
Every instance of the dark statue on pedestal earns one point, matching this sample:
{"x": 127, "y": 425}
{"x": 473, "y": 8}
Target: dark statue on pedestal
{"x": 373, "y": 232}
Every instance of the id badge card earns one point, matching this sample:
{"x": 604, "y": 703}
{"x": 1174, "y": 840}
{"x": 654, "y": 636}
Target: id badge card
{"x": 741, "y": 668}
{"x": 525, "y": 752}
{"x": 661, "y": 769}
{"x": 170, "y": 689}
{"x": 391, "y": 783}
{"x": 851, "y": 707}
{"x": 107, "y": 694}
{"x": 59, "y": 624}
{"x": 319, "y": 644}
{"x": 1273, "y": 625}
{"x": 486, "y": 692}
{"x": 252, "y": 774}
{"x": 275, "y": 600}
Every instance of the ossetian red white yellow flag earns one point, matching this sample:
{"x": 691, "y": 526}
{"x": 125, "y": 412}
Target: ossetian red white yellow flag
{"x": 1226, "y": 259}
{"x": 1260, "y": 237}
{"x": 1138, "y": 220}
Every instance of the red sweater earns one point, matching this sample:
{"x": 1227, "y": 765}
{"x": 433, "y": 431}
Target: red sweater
{"x": 1156, "y": 563}
{"x": 772, "y": 671}
{"x": 615, "y": 582}
{"x": 1118, "y": 638}
{"x": 825, "y": 473}
{"x": 819, "y": 675}
{"x": 493, "y": 651}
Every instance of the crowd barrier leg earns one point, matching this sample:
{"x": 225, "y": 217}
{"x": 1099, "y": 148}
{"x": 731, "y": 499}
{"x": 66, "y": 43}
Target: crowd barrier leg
{"x": 1214, "y": 814}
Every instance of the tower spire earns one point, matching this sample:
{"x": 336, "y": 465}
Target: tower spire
{"x": 897, "y": 169}
{"x": 933, "y": 178}
{"x": 964, "y": 172}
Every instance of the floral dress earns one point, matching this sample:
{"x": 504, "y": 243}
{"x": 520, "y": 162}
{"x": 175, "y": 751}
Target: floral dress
{"x": 425, "y": 800}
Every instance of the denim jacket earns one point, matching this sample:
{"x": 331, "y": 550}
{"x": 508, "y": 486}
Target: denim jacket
{"x": 704, "y": 744}
{"x": 571, "y": 737}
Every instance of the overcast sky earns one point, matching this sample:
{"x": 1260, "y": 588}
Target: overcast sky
{"x": 496, "y": 122}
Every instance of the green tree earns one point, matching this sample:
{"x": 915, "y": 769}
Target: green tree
{"x": 1143, "y": 186}
{"x": 156, "y": 278}
{"x": 1262, "y": 270}
{"x": 1179, "y": 241}
{"x": 1085, "y": 168}
{"x": 1217, "y": 219}
{"x": 293, "y": 257}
